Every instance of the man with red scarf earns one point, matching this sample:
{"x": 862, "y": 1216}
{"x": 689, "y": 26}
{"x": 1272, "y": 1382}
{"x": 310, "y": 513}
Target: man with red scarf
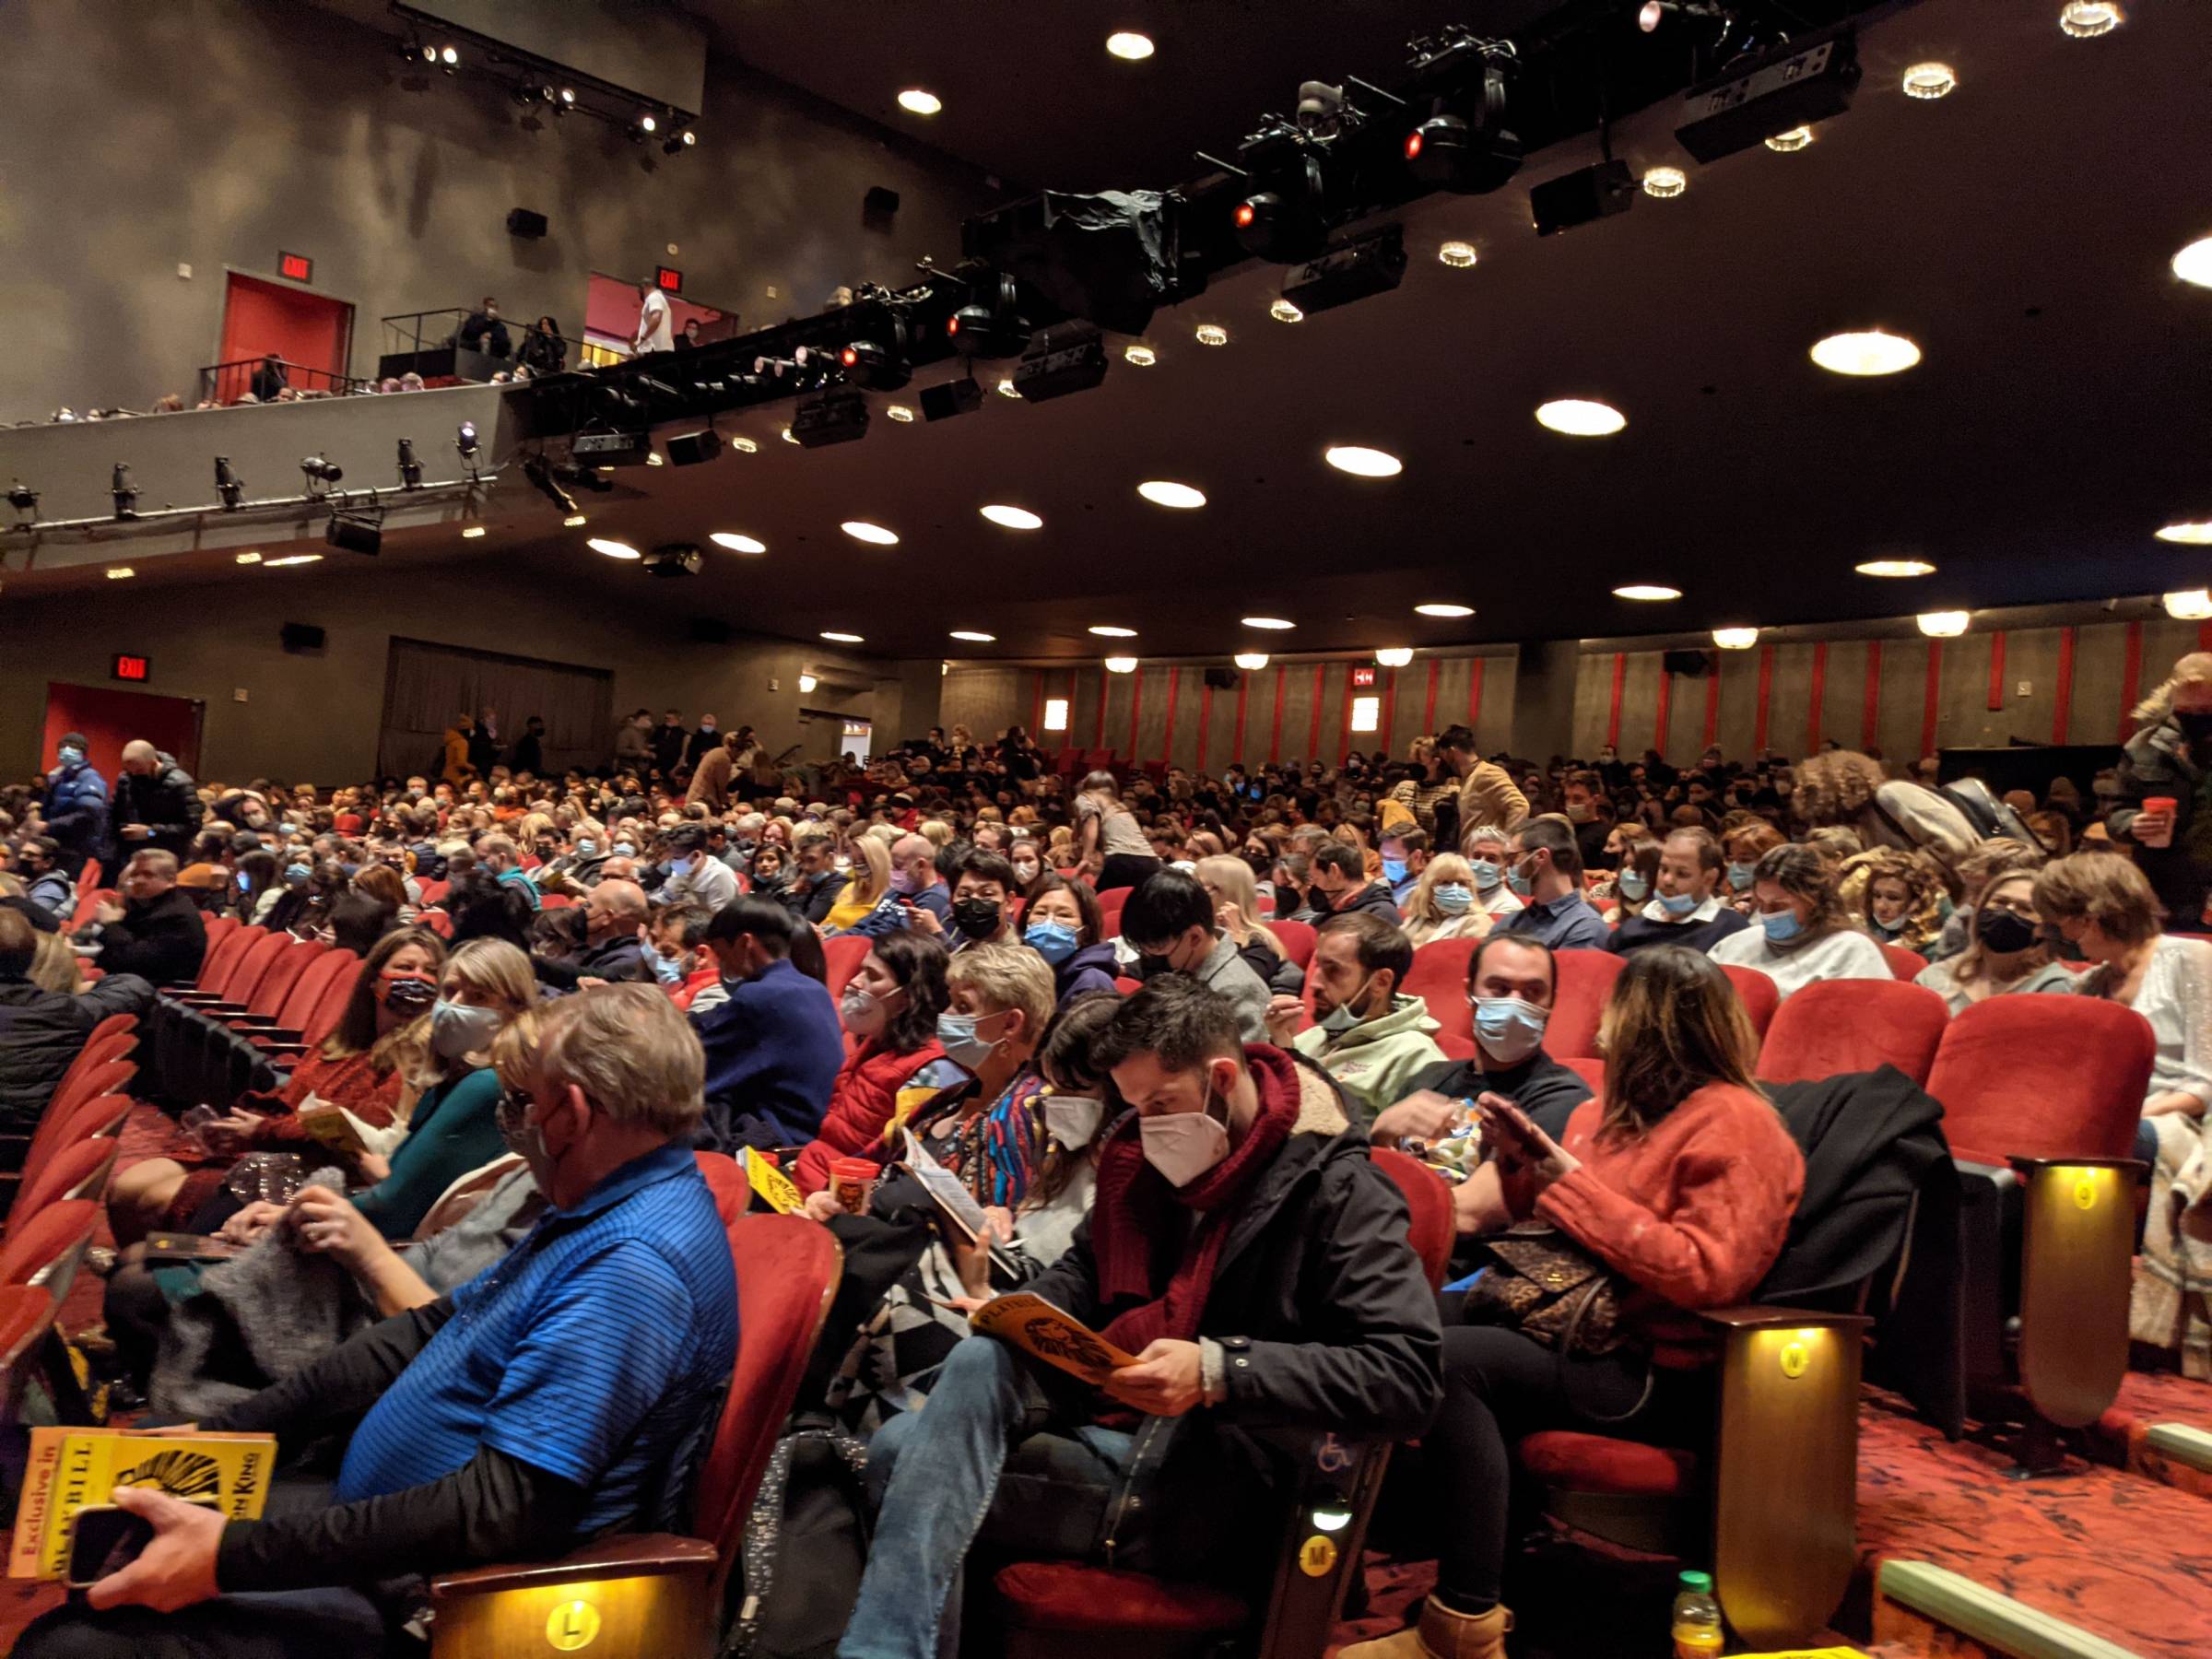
{"x": 1246, "y": 1250}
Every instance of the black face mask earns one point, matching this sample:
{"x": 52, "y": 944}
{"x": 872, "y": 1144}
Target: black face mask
{"x": 2195, "y": 727}
{"x": 2003, "y": 931}
{"x": 978, "y": 918}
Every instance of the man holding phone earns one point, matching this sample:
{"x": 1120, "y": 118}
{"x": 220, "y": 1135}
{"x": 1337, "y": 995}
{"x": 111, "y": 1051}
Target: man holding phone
{"x": 2162, "y": 775}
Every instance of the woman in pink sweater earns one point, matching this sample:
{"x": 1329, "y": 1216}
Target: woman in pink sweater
{"x": 1681, "y": 1178}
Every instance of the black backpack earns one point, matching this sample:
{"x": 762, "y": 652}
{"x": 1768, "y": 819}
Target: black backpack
{"x": 805, "y": 1545}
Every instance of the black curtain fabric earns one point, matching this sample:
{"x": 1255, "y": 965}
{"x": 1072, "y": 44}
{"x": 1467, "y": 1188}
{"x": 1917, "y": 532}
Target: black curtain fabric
{"x": 425, "y": 686}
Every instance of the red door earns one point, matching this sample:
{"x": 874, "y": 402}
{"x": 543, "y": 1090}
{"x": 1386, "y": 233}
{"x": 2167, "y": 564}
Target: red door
{"x": 304, "y": 329}
{"x": 108, "y": 719}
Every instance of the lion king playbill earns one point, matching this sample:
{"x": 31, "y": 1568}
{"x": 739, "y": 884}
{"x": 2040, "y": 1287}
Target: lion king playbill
{"x": 1043, "y": 1331}
{"x": 71, "y": 1467}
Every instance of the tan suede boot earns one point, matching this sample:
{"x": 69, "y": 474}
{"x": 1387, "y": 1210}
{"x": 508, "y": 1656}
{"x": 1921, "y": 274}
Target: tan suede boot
{"x": 1441, "y": 1634}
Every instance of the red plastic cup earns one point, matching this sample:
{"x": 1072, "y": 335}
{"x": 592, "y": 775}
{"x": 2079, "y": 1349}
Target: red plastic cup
{"x": 853, "y": 1181}
{"x": 2161, "y": 806}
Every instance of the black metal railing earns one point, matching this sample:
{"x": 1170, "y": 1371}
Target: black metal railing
{"x": 455, "y": 341}
{"x": 266, "y": 379}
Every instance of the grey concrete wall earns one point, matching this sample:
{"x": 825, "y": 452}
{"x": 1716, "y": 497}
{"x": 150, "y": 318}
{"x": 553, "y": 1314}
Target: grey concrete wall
{"x": 214, "y": 132}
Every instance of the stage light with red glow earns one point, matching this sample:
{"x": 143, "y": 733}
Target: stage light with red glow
{"x": 848, "y": 357}
{"x": 1413, "y": 143}
{"x": 1245, "y": 214}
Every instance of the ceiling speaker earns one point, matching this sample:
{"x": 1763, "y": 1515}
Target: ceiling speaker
{"x": 521, "y": 221}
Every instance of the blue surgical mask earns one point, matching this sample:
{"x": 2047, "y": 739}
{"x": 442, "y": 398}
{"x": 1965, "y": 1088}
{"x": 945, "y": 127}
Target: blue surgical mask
{"x": 1454, "y": 898}
{"x": 288, "y": 828}
{"x": 1054, "y": 941}
{"x": 1487, "y": 874}
{"x": 1509, "y": 1030}
{"x": 1781, "y": 924}
{"x": 73, "y": 757}
{"x": 1634, "y": 887}
{"x": 1522, "y": 885}
{"x": 1394, "y": 870}
{"x": 586, "y": 847}
{"x": 957, "y": 1035}
{"x": 624, "y": 850}
{"x": 679, "y": 866}
{"x": 1677, "y": 904}
{"x": 1740, "y": 876}
{"x": 667, "y": 970}
{"x": 297, "y": 875}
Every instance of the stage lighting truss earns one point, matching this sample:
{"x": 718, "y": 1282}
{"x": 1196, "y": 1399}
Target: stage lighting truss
{"x": 880, "y": 360}
{"x": 990, "y": 325}
{"x": 1285, "y": 216}
{"x": 1463, "y": 144}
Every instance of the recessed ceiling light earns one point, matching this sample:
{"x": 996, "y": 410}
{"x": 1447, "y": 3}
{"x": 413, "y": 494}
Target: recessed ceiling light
{"x": 1943, "y": 625}
{"x": 1211, "y": 334}
{"x": 656, "y": 459}
{"x": 1252, "y": 662}
{"x": 1930, "y": 80}
{"x": 1282, "y": 310}
{"x": 1127, "y": 43}
{"x": 1012, "y": 518}
{"x": 1647, "y": 590}
{"x": 1363, "y": 462}
{"x": 1664, "y": 182}
{"x": 1438, "y": 608}
{"x": 1459, "y": 256}
{"x": 786, "y": 435}
{"x": 841, "y": 639}
{"x": 900, "y": 413}
{"x": 120, "y": 573}
{"x": 249, "y": 557}
{"x": 1581, "y": 418}
{"x": 1394, "y": 656}
{"x": 576, "y": 521}
{"x": 915, "y": 101}
{"x": 1275, "y": 623}
{"x": 1107, "y": 630}
{"x": 2086, "y": 19}
{"x": 972, "y": 637}
{"x": 736, "y": 543}
{"x": 1869, "y": 351}
{"x": 1163, "y": 492}
{"x": 874, "y": 535}
{"x": 1896, "y": 567}
{"x": 1796, "y": 138}
{"x": 2197, "y": 535}
{"x": 1007, "y": 389}
{"x": 1736, "y": 638}
{"x": 1120, "y": 664}
{"x": 2194, "y": 263}
{"x": 1139, "y": 355}
{"x": 474, "y": 532}
{"x": 2195, "y": 606}
{"x": 744, "y": 446}
{"x": 612, "y": 548}
{"x": 291, "y": 558}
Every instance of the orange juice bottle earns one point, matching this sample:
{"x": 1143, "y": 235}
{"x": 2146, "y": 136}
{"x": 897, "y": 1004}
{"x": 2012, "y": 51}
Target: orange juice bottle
{"x": 1697, "y": 1618}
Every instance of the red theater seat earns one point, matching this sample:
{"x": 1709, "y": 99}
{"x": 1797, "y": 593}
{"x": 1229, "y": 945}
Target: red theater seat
{"x": 1591, "y": 1463}
{"x": 1440, "y": 979}
{"x": 2042, "y": 1076}
{"x": 843, "y": 955}
{"x": 1836, "y": 1026}
{"x": 1757, "y": 995}
{"x": 1585, "y": 983}
{"x": 1297, "y": 940}
{"x": 1905, "y": 964}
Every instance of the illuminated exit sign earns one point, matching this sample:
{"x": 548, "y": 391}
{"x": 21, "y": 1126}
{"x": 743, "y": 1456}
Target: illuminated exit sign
{"x": 668, "y": 280}
{"x": 295, "y": 267}
{"x": 128, "y": 667}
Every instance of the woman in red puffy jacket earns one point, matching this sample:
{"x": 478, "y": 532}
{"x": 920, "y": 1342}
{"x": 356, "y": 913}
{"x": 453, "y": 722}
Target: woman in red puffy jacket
{"x": 891, "y": 1010}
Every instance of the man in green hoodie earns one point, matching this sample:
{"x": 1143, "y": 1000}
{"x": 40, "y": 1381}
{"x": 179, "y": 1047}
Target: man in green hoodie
{"x": 1369, "y": 1035}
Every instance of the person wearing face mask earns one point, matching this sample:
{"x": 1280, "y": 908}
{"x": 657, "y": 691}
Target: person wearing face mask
{"x": 890, "y": 1010}
{"x": 1341, "y": 883}
{"x": 772, "y": 1040}
{"x": 1368, "y": 1035}
{"x": 2155, "y": 801}
{"x": 1685, "y": 907}
{"x": 867, "y": 889}
{"x": 1804, "y": 932}
{"x": 1999, "y": 855}
{"x": 1405, "y": 856}
{"x": 1635, "y": 854}
{"x": 2005, "y": 952}
{"x": 74, "y": 807}
{"x": 1027, "y": 863}
{"x": 675, "y": 955}
{"x": 1246, "y": 1250}
{"x": 1170, "y": 923}
{"x": 1544, "y": 868}
{"x": 498, "y": 854}
{"x": 981, "y": 901}
{"x": 609, "y": 949}
{"x": 696, "y": 877}
{"x": 1062, "y": 923}
{"x": 1510, "y": 985}
{"x": 1484, "y": 846}
{"x": 1443, "y": 904}
{"x": 1741, "y": 849}
{"x": 1897, "y": 897}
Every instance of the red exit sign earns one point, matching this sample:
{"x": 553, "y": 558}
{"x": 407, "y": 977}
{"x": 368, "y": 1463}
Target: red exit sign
{"x": 128, "y": 667}
{"x": 668, "y": 280}
{"x": 1362, "y": 677}
{"x": 295, "y": 267}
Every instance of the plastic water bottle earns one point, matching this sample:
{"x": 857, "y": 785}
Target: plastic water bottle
{"x": 1697, "y": 1618}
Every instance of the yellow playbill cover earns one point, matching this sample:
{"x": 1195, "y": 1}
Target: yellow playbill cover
{"x": 71, "y": 1467}
{"x": 1046, "y": 1333}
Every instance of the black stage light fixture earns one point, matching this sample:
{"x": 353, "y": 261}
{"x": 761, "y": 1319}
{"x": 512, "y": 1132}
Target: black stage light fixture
{"x": 228, "y": 486}
{"x": 1588, "y": 192}
{"x": 688, "y": 448}
{"x": 1285, "y": 224}
{"x": 674, "y": 558}
{"x": 1464, "y": 145}
{"x": 954, "y": 397}
{"x": 1068, "y": 357}
{"x": 989, "y": 325}
{"x": 124, "y": 490}
{"x": 679, "y": 142}
{"x": 465, "y": 442}
{"x": 410, "y": 469}
{"x": 836, "y": 415}
{"x": 1373, "y": 265}
{"x": 879, "y": 364}
{"x": 25, "y": 500}
{"x": 540, "y": 472}
{"x": 355, "y": 532}
{"x": 321, "y": 474}
{"x": 1792, "y": 84}
{"x": 612, "y": 447}
{"x": 575, "y": 476}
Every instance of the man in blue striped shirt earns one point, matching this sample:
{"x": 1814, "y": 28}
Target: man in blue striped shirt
{"x": 565, "y": 1391}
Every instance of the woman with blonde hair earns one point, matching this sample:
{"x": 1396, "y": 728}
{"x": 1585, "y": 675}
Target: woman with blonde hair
{"x": 2165, "y": 762}
{"x": 1897, "y": 897}
{"x": 1444, "y": 905}
{"x": 55, "y": 967}
{"x": 869, "y": 885}
{"x": 1484, "y": 846}
{"x": 1228, "y": 882}
{"x": 1847, "y": 788}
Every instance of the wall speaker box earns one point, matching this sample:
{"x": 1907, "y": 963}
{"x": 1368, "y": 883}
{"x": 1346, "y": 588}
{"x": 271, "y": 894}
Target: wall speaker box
{"x": 1221, "y": 679}
{"x": 879, "y": 202}
{"x": 688, "y": 448}
{"x": 521, "y": 221}
{"x": 1692, "y": 663}
{"x": 301, "y": 636}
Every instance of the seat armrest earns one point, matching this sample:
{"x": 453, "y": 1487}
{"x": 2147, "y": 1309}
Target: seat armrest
{"x": 2135, "y": 1166}
{"x": 632, "y": 1555}
{"x": 1760, "y": 1318}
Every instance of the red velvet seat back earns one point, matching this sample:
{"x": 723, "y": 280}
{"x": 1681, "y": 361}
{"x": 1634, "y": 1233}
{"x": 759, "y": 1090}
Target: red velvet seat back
{"x": 223, "y": 957}
{"x": 1296, "y": 939}
{"x": 1905, "y": 964}
{"x": 1585, "y": 985}
{"x": 1440, "y": 979}
{"x": 732, "y": 1192}
{"x": 330, "y": 1007}
{"x": 45, "y": 1238}
{"x": 64, "y": 1171}
{"x": 2043, "y": 1076}
{"x": 1835, "y": 1025}
{"x": 843, "y": 955}
{"x": 1109, "y": 912}
{"x": 284, "y": 973}
{"x": 307, "y": 991}
{"x": 1430, "y": 1228}
{"x": 247, "y": 971}
{"x": 1757, "y": 995}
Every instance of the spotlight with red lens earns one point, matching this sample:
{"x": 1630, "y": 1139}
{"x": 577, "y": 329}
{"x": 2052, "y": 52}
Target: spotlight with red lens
{"x": 1413, "y": 143}
{"x": 1245, "y": 214}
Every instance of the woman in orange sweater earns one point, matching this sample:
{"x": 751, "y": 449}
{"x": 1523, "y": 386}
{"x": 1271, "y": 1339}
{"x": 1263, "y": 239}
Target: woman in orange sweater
{"x": 1681, "y": 1179}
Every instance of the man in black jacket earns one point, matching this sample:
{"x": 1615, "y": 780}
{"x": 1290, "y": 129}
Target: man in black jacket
{"x": 1293, "y": 1306}
{"x": 42, "y": 1032}
{"x": 157, "y": 934}
{"x": 157, "y": 804}
{"x": 1340, "y": 884}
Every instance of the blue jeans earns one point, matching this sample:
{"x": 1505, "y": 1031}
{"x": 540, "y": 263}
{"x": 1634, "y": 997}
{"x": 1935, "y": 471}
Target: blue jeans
{"x": 934, "y": 1474}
